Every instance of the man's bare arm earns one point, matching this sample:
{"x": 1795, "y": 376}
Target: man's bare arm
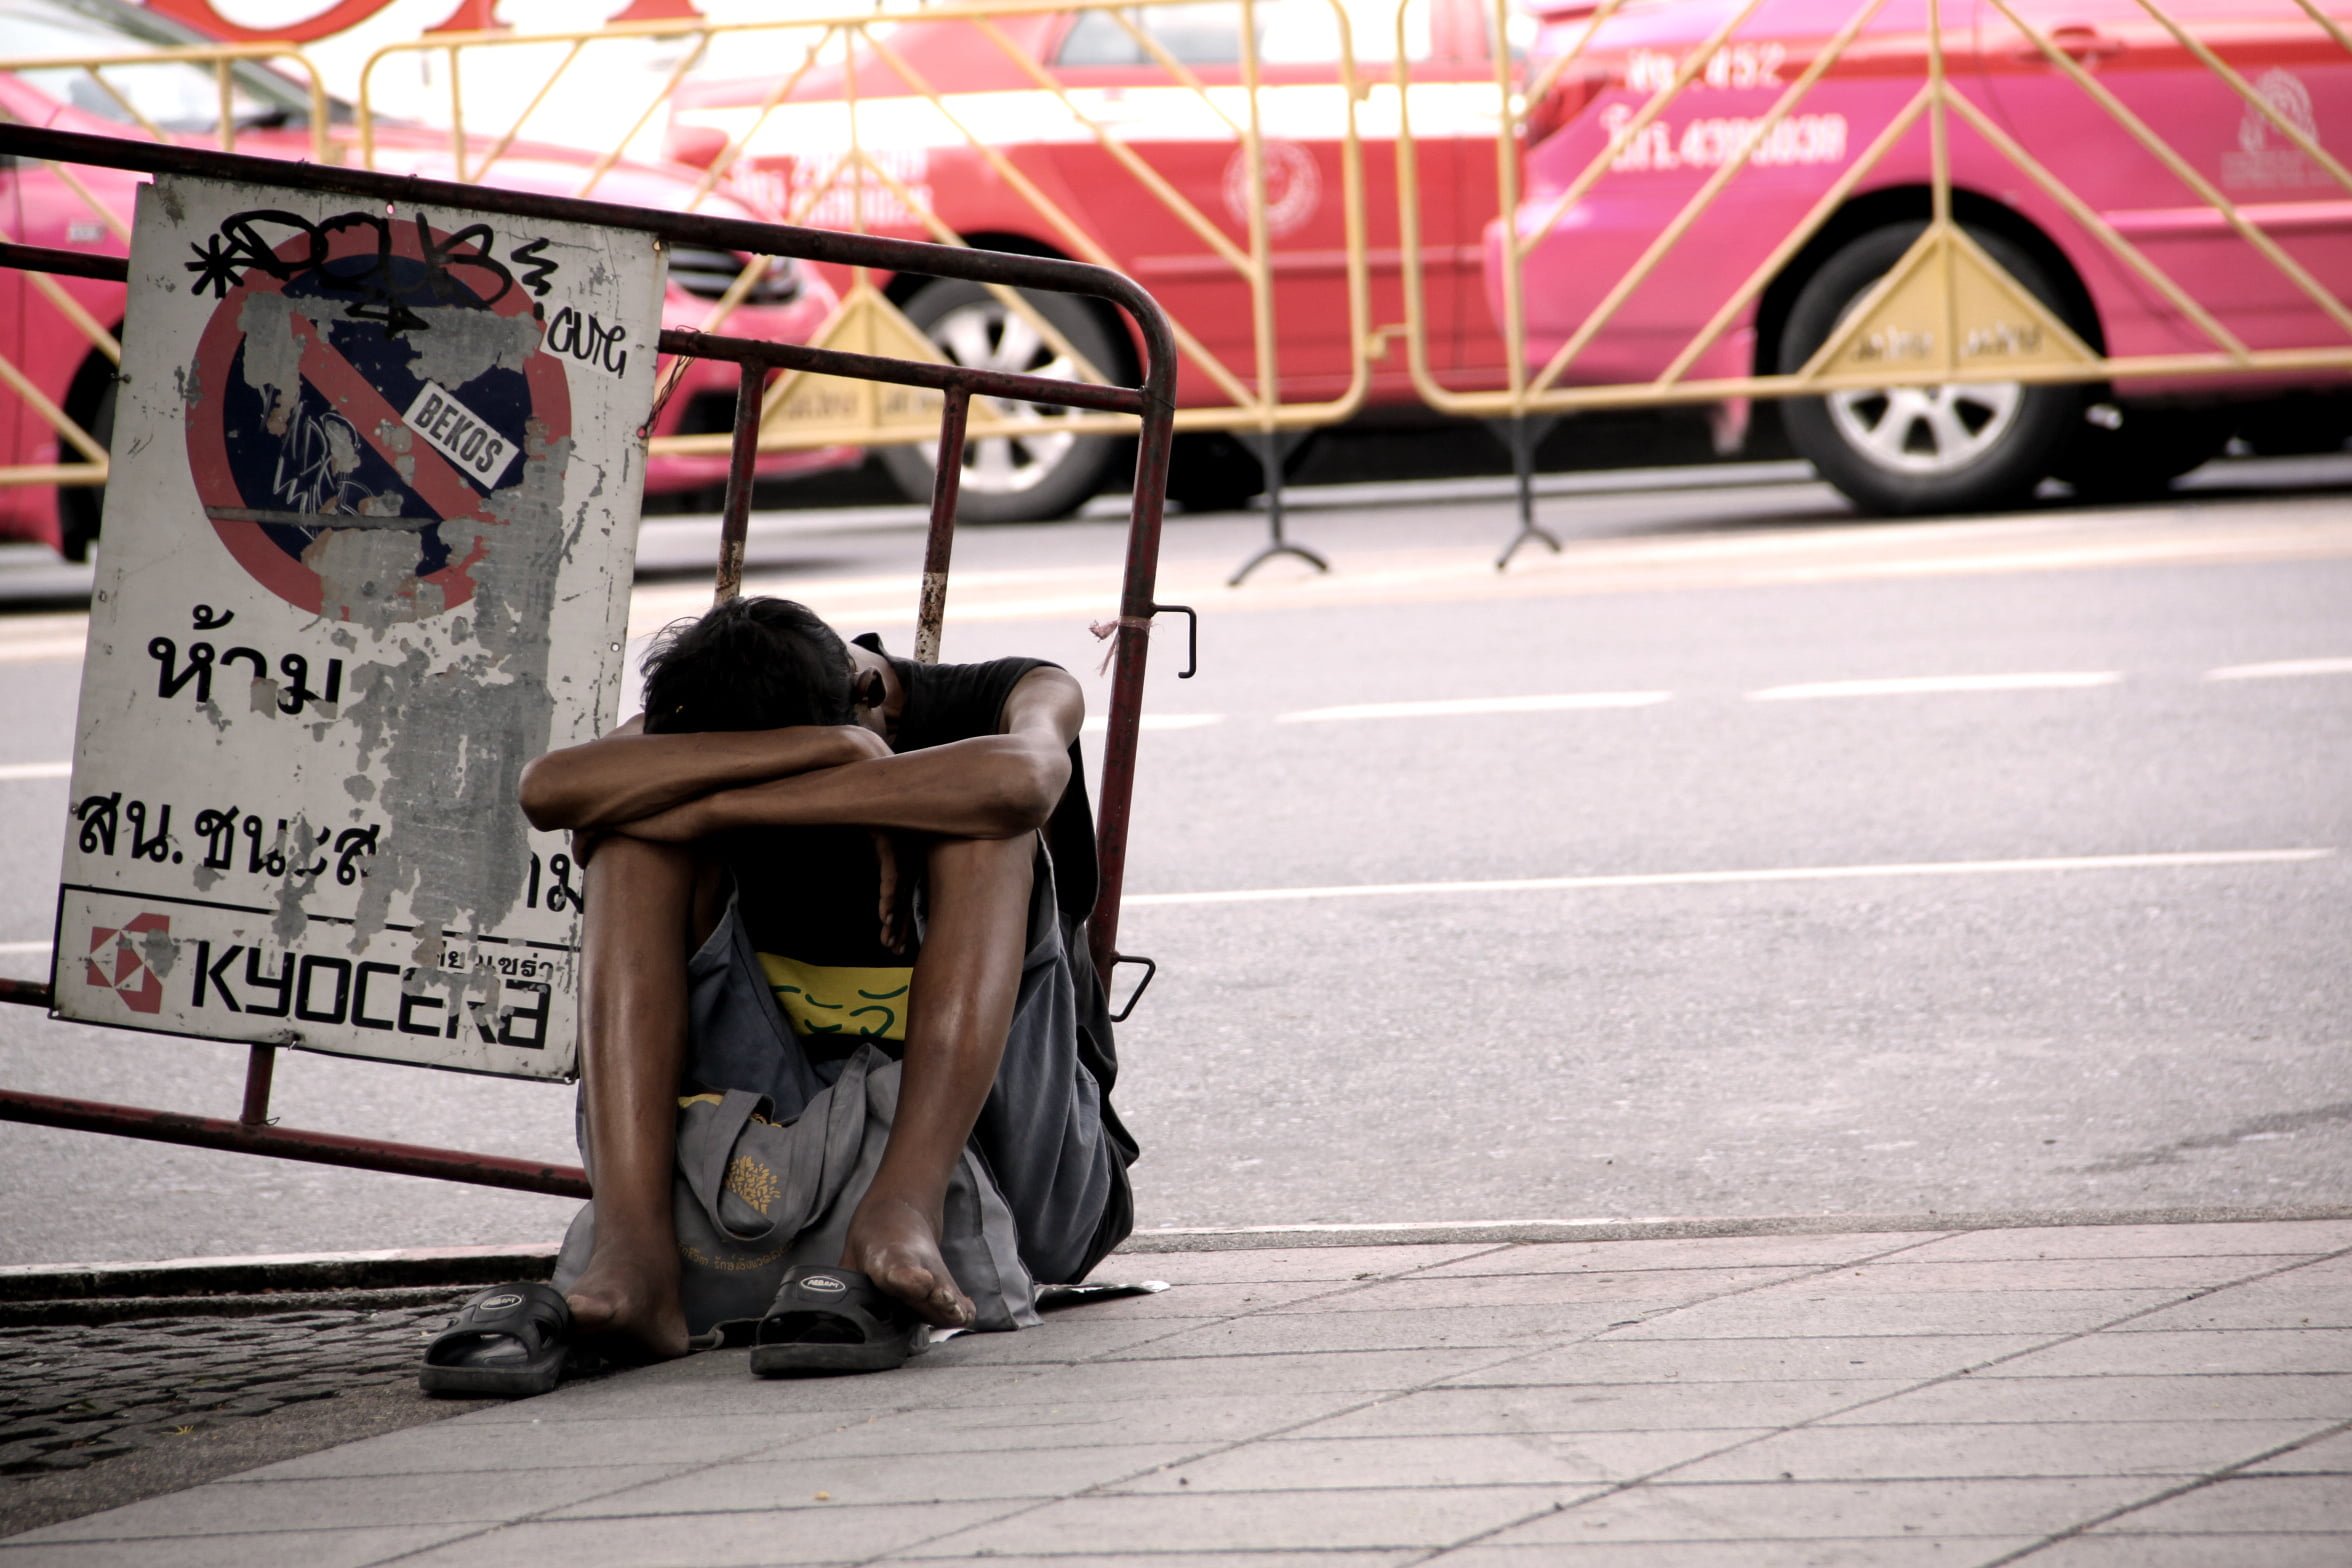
{"x": 618, "y": 778}
{"x": 993, "y": 786}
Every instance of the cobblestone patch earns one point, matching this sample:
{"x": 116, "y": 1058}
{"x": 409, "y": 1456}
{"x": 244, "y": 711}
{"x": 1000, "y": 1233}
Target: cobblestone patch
{"x": 72, "y": 1395}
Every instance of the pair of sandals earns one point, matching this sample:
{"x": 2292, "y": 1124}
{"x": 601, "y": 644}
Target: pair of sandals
{"x": 515, "y": 1340}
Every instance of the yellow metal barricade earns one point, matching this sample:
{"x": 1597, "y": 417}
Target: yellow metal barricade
{"x": 119, "y": 87}
{"x": 850, "y": 128}
{"x": 1947, "y": 312}
{"x": 866, "y": 185}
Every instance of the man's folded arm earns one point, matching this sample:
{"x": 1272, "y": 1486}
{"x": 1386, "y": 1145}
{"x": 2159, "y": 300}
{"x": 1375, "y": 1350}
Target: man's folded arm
{"x": 619, "y": 778}
{"x": 992, "y": 786}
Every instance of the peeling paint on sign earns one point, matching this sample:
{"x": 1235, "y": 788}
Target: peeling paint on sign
{"x": 368, "y": 552}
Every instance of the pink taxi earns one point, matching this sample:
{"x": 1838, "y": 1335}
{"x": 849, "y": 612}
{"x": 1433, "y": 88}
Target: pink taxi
{"x": 40, "y": 207}
{"x": 1036, "y": 107}
{"x": 1958, "y": 446}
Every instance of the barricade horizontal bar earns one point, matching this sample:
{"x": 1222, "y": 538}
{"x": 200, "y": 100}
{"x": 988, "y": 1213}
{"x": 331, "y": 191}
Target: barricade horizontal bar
{"x": 53, "y": 474}
{"x": 903, "y": 372}
{"x": 71, "y": 263}
{"x": 742, "y": 234}
{"x": 708, "y": 345}
{"x": 319, "y": 1148}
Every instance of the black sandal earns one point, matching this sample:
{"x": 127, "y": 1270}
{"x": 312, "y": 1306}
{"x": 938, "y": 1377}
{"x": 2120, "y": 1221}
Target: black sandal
{"x": 834, "y": 1320}
{"x": 507, "y": 1342}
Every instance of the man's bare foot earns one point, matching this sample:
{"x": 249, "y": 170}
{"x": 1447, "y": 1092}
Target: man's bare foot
{"x": 896, "y": 1245}
{"x": 627, "y": 1307}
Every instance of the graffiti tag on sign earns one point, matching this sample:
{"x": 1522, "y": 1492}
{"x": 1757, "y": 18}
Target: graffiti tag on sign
{"x": 368, "y": 535}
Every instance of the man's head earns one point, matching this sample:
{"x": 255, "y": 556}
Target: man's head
{"x": 751, "y": 664}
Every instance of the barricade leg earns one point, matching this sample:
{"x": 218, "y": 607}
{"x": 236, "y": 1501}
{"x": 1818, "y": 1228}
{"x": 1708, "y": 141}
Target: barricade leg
{"x": 1272, "y": 447}
{"x": 735, "y": 518}
{"x": 261, "y": 1067}
{"x": 1522, "y": 434}
{"x": 946, "y": 483}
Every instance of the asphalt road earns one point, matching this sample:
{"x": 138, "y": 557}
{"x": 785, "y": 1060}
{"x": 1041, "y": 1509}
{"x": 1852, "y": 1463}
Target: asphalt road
{"x": 1742, "y": 859}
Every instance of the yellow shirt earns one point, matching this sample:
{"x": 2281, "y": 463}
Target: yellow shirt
{"x": 840, "y": 998}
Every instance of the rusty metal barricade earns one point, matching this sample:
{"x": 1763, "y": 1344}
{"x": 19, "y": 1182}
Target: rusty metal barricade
{"x": 1948, "y": 313}
{"x": 864, "y": 185}
{"x": 105, "y": 75}
{"x": 1149, "y": 403}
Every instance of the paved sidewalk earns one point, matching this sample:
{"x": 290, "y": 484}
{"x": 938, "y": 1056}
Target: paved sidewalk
{"x": 2150, "y": 1396}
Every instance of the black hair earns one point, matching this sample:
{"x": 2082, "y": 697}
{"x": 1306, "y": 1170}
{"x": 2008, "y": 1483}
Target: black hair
{"x": 749, "y": 664}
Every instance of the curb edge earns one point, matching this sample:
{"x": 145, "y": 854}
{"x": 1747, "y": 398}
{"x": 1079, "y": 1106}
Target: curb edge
{"x": 412, "y": 1267}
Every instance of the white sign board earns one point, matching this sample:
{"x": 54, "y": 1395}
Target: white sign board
{"x": 367, "y": 551}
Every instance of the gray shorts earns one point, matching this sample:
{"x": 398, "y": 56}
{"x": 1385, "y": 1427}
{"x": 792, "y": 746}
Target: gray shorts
{"x": 1046, "y": 1133}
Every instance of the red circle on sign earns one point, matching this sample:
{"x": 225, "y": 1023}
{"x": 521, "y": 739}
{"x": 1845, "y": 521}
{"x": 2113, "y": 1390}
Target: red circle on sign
{"x": 364, "y": 411}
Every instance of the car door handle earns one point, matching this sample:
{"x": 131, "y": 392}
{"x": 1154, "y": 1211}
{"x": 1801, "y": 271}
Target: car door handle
{"x": 2083, "y": 45}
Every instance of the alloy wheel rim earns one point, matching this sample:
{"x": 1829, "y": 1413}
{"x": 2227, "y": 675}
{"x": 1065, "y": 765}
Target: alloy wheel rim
{"x": 1927, "y": 430}
{"x": 989, "y": 335}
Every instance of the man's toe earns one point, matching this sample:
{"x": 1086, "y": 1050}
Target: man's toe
{"x": 590, "y": 1314}
{"x": 909, "y": 1282}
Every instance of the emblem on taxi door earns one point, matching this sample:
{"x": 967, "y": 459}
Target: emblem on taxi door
{"x": 1294, "y": 187}
{"x": 2267, "y": 158}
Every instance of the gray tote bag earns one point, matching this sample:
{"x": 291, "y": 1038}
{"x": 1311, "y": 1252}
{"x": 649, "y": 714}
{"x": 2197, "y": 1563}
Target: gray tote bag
{"x": 754, "y": 1197}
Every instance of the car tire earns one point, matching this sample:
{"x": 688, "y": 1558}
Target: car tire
{"x": 2297, "y": 427}
{"x": 1213, "y": 472}
{"x": 1922, "y": 449}
{"x": 1010, "y": 479}
{"x": 2142, "y": 452}
{"x": 81, "y": 508}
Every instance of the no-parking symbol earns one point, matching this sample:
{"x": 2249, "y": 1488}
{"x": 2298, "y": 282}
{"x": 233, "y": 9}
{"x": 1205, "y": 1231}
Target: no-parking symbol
{"x": 370, "y": 391}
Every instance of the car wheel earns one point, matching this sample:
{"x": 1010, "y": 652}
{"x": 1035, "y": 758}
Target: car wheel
{"x": 1902, "y": 450}
{"x": 1213, "y": 472}
{"x": 1011, "y": 479}
{"x": 81, "y": 508}
{"x": 2123, "y": 453}
{"x": 2297, "y": 427}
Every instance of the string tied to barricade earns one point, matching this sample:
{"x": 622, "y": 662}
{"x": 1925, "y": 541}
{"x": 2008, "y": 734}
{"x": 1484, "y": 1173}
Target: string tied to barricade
{"x": 1106, "y": 631}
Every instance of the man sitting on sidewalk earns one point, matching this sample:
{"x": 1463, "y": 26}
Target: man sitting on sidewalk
{"x": 769, "y": 747}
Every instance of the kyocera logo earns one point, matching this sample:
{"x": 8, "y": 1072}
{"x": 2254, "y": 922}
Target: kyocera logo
{"x": 119, "y": 961}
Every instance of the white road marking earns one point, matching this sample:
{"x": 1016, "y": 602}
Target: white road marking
{"x": 1448, "y": 707}
{"x": 1914, "y": 685}
{"x": 12, "y": 948}
{"x": 1097, "y": 723}
{"x": 1928, "y": 868}
{"x": 2280, "y": 669}
{"x": 42, "y": 650}
{"x": 10, "y": 771}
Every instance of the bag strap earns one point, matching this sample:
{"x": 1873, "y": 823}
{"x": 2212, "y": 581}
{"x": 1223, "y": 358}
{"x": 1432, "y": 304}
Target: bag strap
{"x": 704, "y": 1158}
{"x": 827, "y": 1159}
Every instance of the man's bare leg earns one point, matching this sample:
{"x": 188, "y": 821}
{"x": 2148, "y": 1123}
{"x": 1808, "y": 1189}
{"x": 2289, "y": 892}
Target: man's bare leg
{"x": 959, "y": 1010}
{"x": 639, "y": 928}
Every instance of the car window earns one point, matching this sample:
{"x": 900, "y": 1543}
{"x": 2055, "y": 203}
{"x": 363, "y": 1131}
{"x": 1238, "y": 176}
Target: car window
{"x": 1520, "y": 30}
{"x": 1372, "y": 24}
{"x": 1205, "y": 34}
{"x": 175, "y": 95}
{"x": 770, "y": 52}
{"x": 1290, "y": 32}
